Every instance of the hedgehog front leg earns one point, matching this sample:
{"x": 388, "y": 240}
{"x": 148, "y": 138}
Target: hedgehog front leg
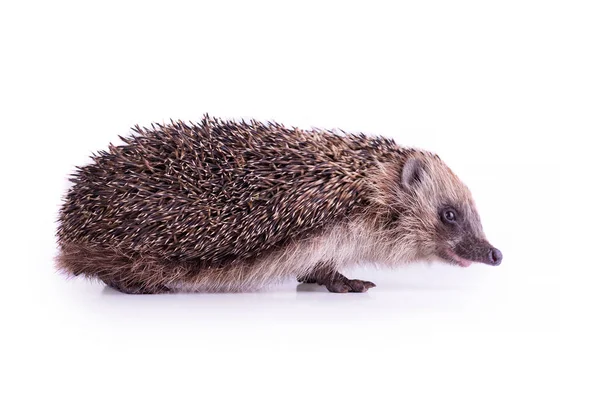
{"x": 326, "y": 275}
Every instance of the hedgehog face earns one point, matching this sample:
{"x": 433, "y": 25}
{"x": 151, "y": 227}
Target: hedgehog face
{"x": 439, "y": 215}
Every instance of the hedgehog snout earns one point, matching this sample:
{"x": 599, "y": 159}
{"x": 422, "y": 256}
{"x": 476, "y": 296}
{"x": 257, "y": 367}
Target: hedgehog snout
{"x": 495, "y": 256}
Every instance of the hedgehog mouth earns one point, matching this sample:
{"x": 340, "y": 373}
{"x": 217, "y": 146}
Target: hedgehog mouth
{"x": 454, "y": 258}
{"x": 467, "y": 252}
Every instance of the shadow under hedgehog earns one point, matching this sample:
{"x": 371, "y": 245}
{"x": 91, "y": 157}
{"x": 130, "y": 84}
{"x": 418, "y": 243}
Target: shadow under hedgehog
{"x": 234, "y": 206}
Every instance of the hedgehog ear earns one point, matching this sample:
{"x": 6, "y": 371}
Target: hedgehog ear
{"x": 412, "y": 172}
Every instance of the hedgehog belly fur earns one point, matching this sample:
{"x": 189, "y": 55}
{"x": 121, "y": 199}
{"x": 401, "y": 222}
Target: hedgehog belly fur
{"x": 341, "y": 244}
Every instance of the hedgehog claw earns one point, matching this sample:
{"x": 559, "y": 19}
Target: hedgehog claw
{"x": 337, "y": 283}
{"x": 349, "y": 286}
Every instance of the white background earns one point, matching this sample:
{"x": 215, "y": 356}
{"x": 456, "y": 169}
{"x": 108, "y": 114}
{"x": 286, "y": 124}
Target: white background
{"x": 507, "y": 92}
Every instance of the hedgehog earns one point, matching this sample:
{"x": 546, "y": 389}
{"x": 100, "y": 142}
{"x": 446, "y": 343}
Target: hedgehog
{"x": 224, "y": 205}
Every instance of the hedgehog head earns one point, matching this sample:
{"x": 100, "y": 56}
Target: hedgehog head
{"x": 432, "y": 213}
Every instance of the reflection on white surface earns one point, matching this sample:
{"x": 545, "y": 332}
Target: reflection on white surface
{"x": 476, "y": 296}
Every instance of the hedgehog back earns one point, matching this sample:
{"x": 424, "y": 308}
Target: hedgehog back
{"x": 217, "y": 190}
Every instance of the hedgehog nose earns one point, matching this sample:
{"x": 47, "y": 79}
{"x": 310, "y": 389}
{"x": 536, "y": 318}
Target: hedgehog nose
{"x": 495, "y": 256}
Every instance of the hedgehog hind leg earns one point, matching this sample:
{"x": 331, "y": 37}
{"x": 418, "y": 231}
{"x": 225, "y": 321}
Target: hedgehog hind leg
{"x": 325, "y": 274}
{"x": 120, "y": 272}
{"x": 134, "y": 287}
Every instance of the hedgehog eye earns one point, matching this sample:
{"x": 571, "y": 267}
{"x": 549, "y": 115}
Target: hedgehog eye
{"x": 449, "y": 216}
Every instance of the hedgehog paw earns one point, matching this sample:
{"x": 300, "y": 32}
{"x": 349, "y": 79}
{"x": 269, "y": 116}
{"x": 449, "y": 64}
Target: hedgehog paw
{"x": 346, "y": 285}
{"x": 336, "y": 282}
{"x": 137, "y": 289}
